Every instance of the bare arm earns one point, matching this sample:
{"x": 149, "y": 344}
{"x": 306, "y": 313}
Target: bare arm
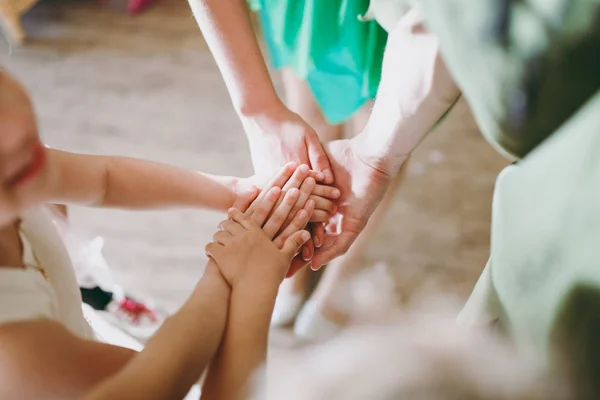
{"x": 276, "y": 135}
{"x": 122, "y": 182}
{"x": 254, "y": 266}
{"x": 244, "y": 346}
{"x": 227, "y": 29}
{"x": 43, "y": 360}
{"x": 415, "y": 91}
{"x": 174, "y": 359}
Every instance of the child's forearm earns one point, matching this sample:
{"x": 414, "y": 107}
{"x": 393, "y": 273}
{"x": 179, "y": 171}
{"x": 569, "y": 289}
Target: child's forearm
{"x": 130, "y": 183}
{"x": 174, "y": 359}
{"x": 244, "y": 346}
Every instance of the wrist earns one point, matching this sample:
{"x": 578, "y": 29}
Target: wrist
{"x": 377, "y": 155}
{"x": 266, "y": 120}
{"x": 212, "y": 282}
{"x": 260, "y": 107}
{"x": 257, "y": 287}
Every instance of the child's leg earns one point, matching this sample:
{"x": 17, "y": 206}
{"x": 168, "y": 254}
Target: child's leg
{"x": 300, "y": 99}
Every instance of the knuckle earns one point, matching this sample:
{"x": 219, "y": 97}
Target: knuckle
{"x": 277, "y": 219}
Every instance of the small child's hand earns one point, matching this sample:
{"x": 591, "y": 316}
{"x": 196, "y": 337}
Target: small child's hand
{"x": 244, "y": 251}
{"x": 291, "y": 176}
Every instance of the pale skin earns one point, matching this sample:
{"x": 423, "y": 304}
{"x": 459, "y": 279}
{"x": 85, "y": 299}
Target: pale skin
{"x": 414, "y": 93}
{"x": 253, "y": 261}
{"x": 249, "y": 262}
{"x": 32, "y": 175}
{"x": 363, "y": 167}
{"x": 276, "y": 134}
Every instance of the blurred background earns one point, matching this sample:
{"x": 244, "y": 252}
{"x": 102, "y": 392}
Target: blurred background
{"x": 106, "y": 81}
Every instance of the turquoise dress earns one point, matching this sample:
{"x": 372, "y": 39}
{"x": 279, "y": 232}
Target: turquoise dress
{"x": 325, "y": 43}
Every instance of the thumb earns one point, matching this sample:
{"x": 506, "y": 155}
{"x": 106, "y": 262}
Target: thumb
{"x": 245, "y": 199}
{"x": 318, "y": 158}
{"x": 294, "y": 242}
{"x": 335, "y": 246}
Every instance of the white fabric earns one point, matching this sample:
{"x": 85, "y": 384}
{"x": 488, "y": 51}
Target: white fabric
{"x": 25, "y": 294}
{"x": 387, "y": 12}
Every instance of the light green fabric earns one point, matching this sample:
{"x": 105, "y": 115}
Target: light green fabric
{"x": 543, "y": 279}
{"x": 550, "y": 63}
{"x": 535, "y": 93}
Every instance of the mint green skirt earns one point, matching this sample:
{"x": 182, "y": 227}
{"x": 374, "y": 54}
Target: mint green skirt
{"x": 324, "y": 43}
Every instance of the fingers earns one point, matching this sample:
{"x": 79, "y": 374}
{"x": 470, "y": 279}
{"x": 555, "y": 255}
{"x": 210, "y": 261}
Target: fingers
{"x": 292, "y": 245}
{"x": 279, "y": 180}
{"x": 316, "y": 175}
{"x": 297, "y": 264}
{"x": 324, "y": 204}
{"x": 328, "y": 192}
{"x": 242, "y": 219}
{"x": 308, "y": 250}
{"x": 244, "y": 200}
{"x": 318, "y": 158}
{"x": 280, "y": 215}
{"x": 283, "y": 175}
{"x": 318, "y": 233}
{"x": 222, "y": 237}
{"x": 305, "y": 194}
{"x": 297, "y": 178}
{"x": 320, "y": 216}
{"x": 298, "y": 222}
{"x": 340, "y": 245}
{"x": 232, "y": 227}
{"x": 260, "y": 210}
{"x": 213, "y": 250}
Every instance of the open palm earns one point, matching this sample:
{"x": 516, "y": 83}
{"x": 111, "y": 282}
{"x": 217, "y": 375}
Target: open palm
{"x": 362, "y": 188}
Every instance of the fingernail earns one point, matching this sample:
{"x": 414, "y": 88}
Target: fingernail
{"x": 317, "y": 241}
{"x": 304, "y": 168}
{"x": 274, "y": 191}
{"x": 231, "y": 210}
{"x": 320, "y": 176}
{"x": 305, "y": 236}
{"x": 305, "y": 255}
{"x": 328, "y": 174}
{"x": 335, "y": 193}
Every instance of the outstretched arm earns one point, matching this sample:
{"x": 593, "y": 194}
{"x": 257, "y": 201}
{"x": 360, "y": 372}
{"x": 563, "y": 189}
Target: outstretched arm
{"x": 415, "y": 92}
{"x": 179, "y": 352}
{"x": 106, "y": 181}
{"x": 276, "y": 134}
{"x": 254, "y": 263}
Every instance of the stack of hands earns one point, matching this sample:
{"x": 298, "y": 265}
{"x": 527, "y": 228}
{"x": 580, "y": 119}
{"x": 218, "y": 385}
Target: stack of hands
{"x": 275, "y": 230}
{"x": 335, "y": 210}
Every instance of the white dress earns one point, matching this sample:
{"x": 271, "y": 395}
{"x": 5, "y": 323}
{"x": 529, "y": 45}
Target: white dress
{"x": 46, "y": 288}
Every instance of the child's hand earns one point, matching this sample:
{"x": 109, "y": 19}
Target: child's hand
{"x": 243, "y": 251}
{"x": 291, "y": 176}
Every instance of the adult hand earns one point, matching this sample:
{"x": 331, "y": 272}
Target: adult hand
{"x": 278, "y": 136}
{"x": 362, "y": 187}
